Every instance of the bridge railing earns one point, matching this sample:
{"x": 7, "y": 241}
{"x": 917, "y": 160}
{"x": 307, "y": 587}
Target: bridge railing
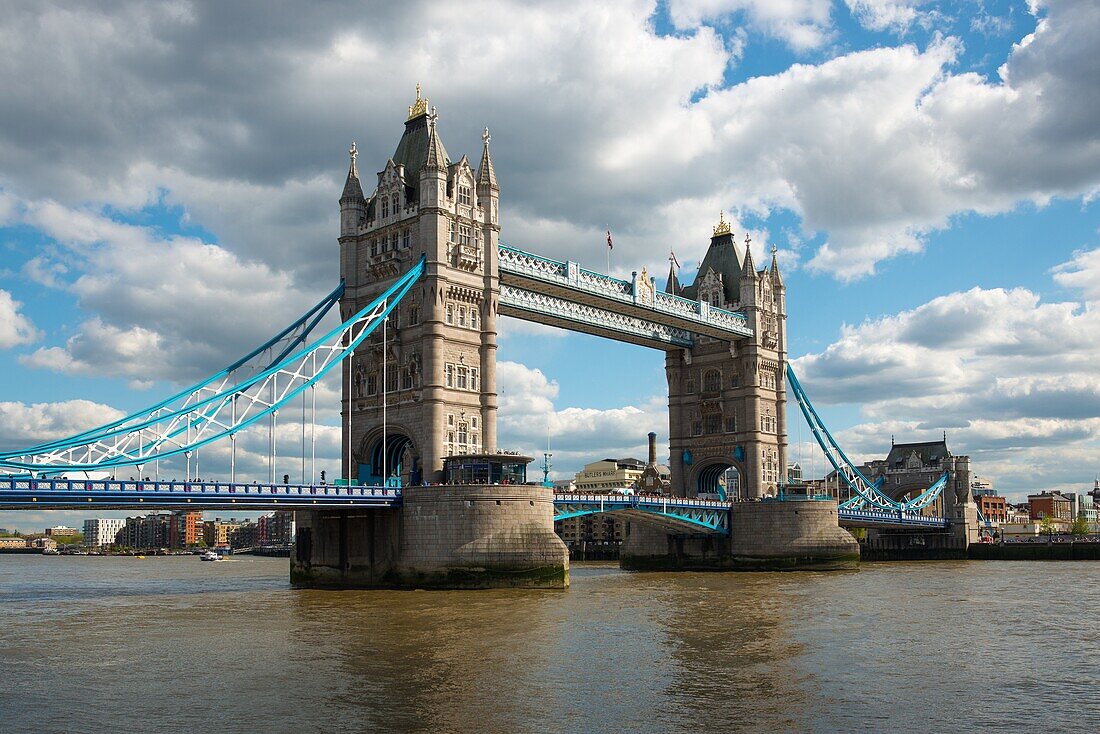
{"x": 200, "y": 488}
{"x": 639, "y": 499}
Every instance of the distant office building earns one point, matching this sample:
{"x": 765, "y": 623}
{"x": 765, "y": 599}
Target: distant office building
{"x": 60, "y": 531}
{"x": 982, "y": 487}
{"x": 101, "y": 532}
{"x": 13, "y": 542}
{"x": 1050, "y": 504}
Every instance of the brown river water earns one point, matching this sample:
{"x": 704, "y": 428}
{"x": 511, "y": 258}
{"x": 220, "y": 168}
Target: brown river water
{"x": 176, "y": 645}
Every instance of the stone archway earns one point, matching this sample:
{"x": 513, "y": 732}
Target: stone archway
{"x": 712, "y": 478}
{"x": 392, "y": 459}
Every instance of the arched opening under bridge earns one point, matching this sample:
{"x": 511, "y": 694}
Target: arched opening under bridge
{"x": 719, "y": 479}
{"x": 394, "y": 459}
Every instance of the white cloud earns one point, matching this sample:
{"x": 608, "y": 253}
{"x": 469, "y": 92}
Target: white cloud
{"x": 244, "y": 126}
{"x": 577, "y": 435}
{"x": 22, "y": 425}
{"x": 1010, "y": 376}
{"x": 15, "y": 327}
{"x": 881, "y": 15}
{"x": 802, "y": 24}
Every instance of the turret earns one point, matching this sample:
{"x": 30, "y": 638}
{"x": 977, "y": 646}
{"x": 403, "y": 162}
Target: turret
{"x": 433, "y": 176}
{"x": 777, "y": 279}
{"x": 488, "y": 192}
{"x": 748, "y": 277}
{"x": 352, "y": 205}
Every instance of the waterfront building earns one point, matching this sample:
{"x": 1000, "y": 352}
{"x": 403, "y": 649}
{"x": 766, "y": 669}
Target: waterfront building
{"x": 1083, "y": 505}
{"x": 218, "y": 533}
{"x": 993, "y": 507}
{"x": 577, "y": 532}
{"x": 1050, "y": 504}
{"x": 101, "y": 531}
{"x": 13, "y": 542}
{"x": 42, "y": 543}
{"x": 245, "y": 536}
{"x": 275, "y": 529}
{"x": 60, "y": 531}
{"x": 185, "y": 529}
{"x": 608, "y": 474}
{"x": 145, "y": 531}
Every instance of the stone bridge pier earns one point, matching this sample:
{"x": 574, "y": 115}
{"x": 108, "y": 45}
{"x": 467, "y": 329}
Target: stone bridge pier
{"x": 452, "y": 537}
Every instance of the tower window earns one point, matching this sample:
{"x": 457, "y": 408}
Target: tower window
{"x": 405, "y": 239}
{"x": 450, "y": 313}
{"x": 464, "y": 195}
{"x": 372, "y": 384}
{"x": 451, "y": 237}
{"x": 396, "y": 204}
{"x": 473, "y": 378}
{"x": 385, "y": 207}
{"x": 449, "y": 372}
{"x": 712, "y": 424}
{"x": 712, "y": 381}
{"x": 461, "y": 374}
{"x": 473, "y": 318}
{"x": 462, "y": 316}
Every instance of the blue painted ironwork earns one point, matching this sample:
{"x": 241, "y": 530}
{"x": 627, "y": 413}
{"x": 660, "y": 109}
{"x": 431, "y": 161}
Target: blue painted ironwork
{"x": 711, "y": 516}
{"x": 22, "y": 493}
{"x": 294, "y": 335}
{"x": 868, "y": 494}
{"x": 870, "y": 518}
{"x": 212, "y": 412}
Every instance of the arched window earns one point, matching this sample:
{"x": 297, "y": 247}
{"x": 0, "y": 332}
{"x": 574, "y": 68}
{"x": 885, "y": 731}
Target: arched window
{"x": 396, "y": 204}
{"x": 712, "y": 381}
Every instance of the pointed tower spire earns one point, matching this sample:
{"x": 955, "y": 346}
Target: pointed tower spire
{"x": 352, "y": 188}
{"x": 486, "y": 176}
{"x": 749, "y": 268}
{"x": 672, "y": 283}
{"x": 437, "y": 154}
{"x": 777, "y": 279}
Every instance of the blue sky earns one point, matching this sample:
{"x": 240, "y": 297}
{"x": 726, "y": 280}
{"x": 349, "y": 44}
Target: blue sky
{"x": 927, "y": 170}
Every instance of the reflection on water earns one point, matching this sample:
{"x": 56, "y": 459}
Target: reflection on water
{"x": 172, "y": 644}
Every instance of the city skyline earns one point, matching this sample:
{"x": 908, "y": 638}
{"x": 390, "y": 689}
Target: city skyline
{"x": 932, "y": 286}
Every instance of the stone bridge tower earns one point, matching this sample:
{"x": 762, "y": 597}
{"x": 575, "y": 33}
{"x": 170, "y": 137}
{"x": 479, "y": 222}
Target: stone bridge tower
{"x": 727, "y": 401}
{"x": 438, "y": 366}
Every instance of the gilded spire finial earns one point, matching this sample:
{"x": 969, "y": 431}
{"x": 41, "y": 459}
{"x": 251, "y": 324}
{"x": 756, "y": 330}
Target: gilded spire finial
{"x": 486, "y": 137}
{"x": 723, "y": 226}
{"x": 774, "y": 248}
{"x": 353, "y": 151}
{"x": 420, "y": 106}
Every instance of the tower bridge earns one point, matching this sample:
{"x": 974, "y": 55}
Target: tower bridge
{"x": 424, "y": 278}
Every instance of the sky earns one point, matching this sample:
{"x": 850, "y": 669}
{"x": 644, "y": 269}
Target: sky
{"x": 169, "y": 176}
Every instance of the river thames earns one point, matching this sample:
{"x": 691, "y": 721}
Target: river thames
{"x": 176, "y": 645}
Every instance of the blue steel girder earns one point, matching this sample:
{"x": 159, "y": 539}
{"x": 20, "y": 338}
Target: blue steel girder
{"x": 21, "y": 493}
{"x": 638, "y": 298}
{"x": 554, "y": 311}
{"x": 677, "y": 513}
{"x": 849, "y": 517}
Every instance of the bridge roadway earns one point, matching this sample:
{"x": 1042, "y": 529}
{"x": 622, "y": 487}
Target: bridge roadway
{"x": 688, "y": 514}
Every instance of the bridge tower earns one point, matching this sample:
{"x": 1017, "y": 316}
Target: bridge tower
{"x": 438, "y": 366}
{"x": 727, "y": 400}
